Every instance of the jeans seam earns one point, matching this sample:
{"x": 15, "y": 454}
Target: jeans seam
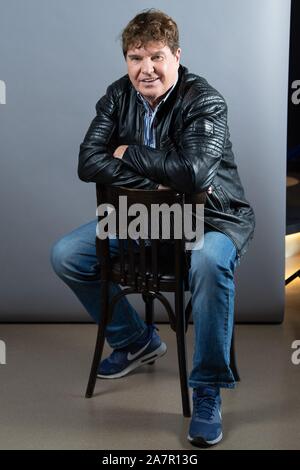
{"x": 226, "y": 339}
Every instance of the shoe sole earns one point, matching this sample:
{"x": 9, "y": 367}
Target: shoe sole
{"x": 147, "y": 359}
{"x": 201, "y": 442}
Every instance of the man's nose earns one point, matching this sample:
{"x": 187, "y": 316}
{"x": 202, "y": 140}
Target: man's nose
{"x": 147, "y": 66}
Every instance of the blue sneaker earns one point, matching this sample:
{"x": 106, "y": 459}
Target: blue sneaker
{"x": 206, "y": 424}
{"x": 145, "y": 350}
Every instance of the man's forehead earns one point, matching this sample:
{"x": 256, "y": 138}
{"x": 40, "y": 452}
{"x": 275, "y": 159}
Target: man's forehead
{"x": 150, "y": 48}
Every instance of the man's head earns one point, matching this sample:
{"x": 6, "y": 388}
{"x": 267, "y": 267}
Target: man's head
{"x": 150, "y": 45}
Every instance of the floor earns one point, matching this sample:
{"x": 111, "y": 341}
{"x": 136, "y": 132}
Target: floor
{"x": 43, "y": 384}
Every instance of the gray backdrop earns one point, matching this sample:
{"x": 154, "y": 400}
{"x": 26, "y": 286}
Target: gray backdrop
{"x": 57, "y": 58}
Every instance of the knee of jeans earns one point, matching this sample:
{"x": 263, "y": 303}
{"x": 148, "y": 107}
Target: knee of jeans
{"x": 204, "y": 266}
{"x": 203, "y": 260}
{"x": 59, "y": 257}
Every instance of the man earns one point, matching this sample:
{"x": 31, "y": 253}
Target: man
{"x": 161, "y": 126}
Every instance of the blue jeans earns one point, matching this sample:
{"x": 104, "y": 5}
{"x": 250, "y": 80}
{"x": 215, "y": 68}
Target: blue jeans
{"x": 211, "y": 282}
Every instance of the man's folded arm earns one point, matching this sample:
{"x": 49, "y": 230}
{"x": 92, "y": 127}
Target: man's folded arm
{"x": 96, "y": 162}
{"x": 192, "y": 165}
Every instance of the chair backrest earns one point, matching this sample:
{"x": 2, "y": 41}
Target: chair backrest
{"x": 150, "y": 228}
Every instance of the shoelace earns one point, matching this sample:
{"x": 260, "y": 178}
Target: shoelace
{"x": 204, "y": 407}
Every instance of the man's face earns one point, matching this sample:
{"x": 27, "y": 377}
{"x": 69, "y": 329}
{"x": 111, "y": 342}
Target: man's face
{"x": 152, "y": 69}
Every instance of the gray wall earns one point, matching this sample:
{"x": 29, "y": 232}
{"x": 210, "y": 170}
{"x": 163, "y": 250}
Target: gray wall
{"x": 57, "y": 57}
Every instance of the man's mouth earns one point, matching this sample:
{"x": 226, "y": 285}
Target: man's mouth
{"x": 149, "y": 80}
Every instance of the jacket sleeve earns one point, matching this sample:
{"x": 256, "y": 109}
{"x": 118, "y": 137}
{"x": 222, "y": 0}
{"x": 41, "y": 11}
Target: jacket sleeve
{"x": 191, "y": 165}
{"x": 96, "y": 162}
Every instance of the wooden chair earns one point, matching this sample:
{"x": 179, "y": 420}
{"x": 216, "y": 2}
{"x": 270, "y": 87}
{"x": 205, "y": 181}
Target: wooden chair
{"x": 149, "y": 268}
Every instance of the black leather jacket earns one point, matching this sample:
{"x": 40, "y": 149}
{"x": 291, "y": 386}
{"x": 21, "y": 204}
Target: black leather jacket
{"x": 193, "y": 150}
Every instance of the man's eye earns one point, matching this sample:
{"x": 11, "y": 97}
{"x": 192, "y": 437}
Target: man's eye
{"x": 158, "y": 57}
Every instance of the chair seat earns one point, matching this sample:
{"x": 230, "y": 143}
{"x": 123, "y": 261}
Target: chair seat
{"x": 166, "y": 269}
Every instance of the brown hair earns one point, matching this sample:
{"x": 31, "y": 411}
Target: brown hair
{"x": 150, "y": 25}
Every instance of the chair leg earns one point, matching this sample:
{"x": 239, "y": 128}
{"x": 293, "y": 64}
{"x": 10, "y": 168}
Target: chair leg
{"x": 148, "y": 299}
{"x": 181, "y": 351}
{"x": 99, "y": 342}
{"x": 188, "y": 312}
{"x": 233, "y": 365}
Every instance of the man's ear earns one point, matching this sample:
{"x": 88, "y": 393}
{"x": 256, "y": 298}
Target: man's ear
{"x": 178, "y": 54}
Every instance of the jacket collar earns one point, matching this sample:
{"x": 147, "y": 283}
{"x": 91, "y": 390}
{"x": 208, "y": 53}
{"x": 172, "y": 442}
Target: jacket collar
{"x": 167, "y": 94}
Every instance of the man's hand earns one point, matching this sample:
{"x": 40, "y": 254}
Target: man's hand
{"x": 119, "y": 152}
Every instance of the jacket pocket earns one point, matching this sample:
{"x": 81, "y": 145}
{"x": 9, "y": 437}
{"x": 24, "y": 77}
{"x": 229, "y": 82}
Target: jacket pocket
{"x": 219, "y": 199}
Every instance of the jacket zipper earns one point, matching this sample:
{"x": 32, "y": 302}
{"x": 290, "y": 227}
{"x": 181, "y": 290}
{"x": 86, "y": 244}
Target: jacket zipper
{"x": 219, "y": 200}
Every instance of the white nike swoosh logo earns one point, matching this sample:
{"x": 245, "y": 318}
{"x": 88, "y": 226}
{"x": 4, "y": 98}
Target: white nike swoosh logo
{"x": 130, "y": 356}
